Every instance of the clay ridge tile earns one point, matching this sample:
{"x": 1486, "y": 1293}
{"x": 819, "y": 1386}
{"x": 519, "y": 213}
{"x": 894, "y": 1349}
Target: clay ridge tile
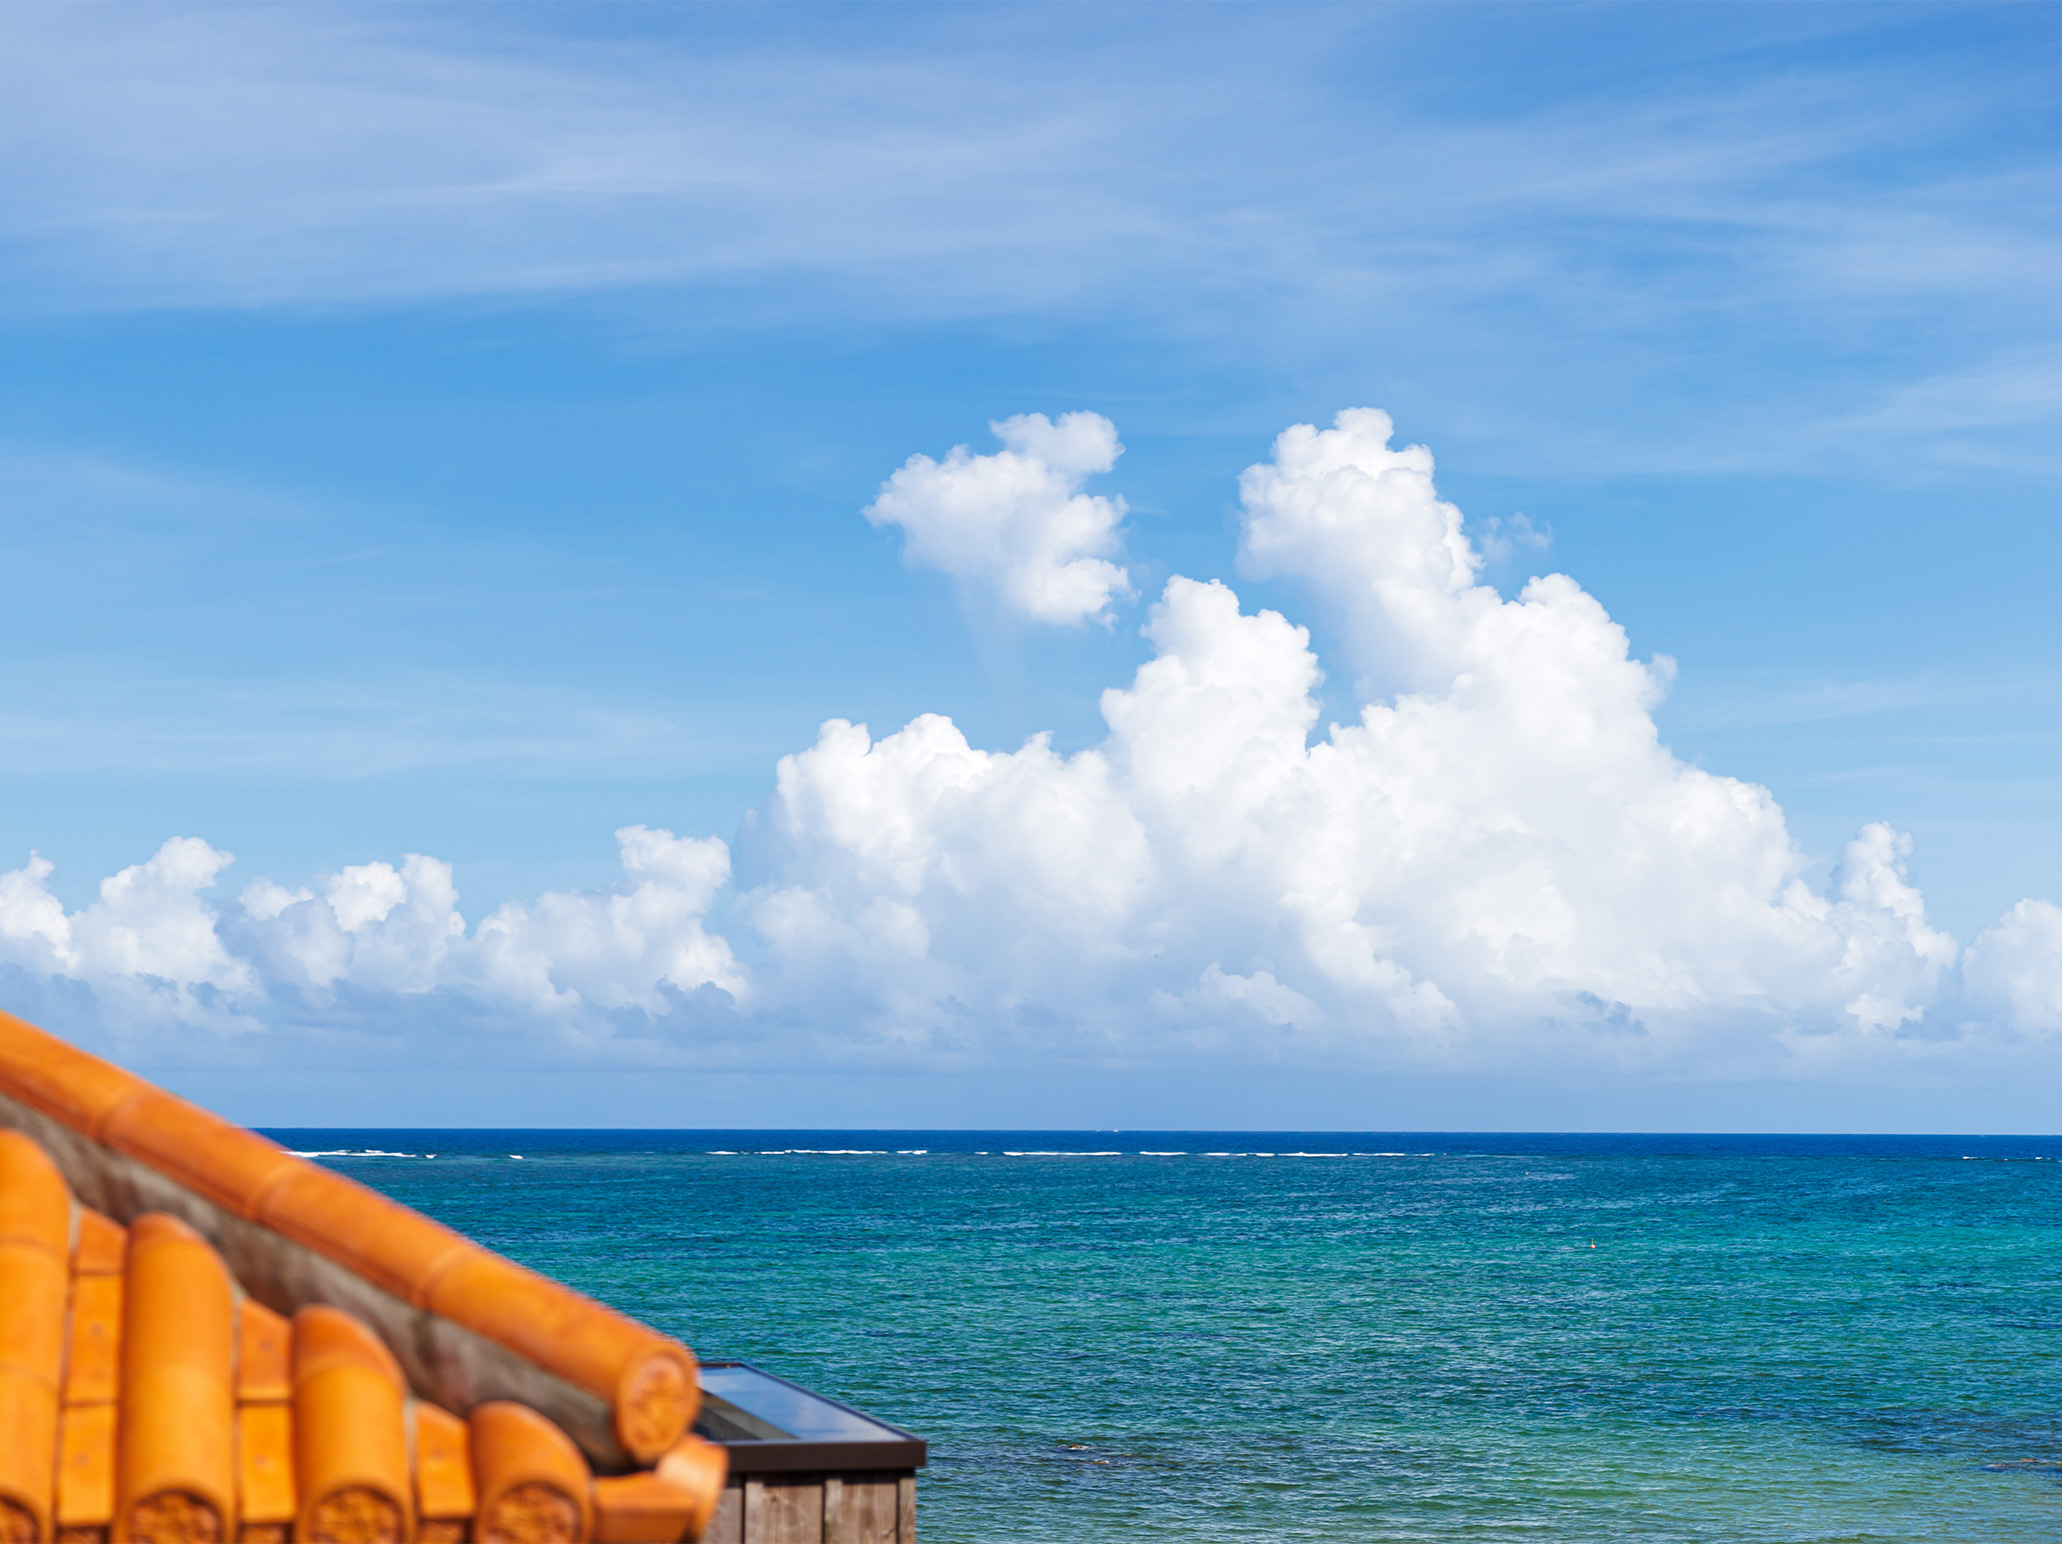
{"x": 388, "y": 1244}
{"x": 210, "y": 1156}
{"x": 648, "y": 1378}
{"x": 68, "y": 1084}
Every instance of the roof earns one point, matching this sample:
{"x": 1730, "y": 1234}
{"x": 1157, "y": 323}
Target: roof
{"x": 205, "y": 1337}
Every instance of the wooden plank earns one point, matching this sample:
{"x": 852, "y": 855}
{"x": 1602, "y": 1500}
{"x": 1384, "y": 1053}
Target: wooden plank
{"x": 905, "y": 1510}
{"x": 872, "y": 1511}
{"x": 727, "y": 1524}
{"x": 791, "y": 1513}
{"x": 833, "y": 1510}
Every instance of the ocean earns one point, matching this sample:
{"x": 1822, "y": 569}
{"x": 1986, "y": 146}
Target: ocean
{"x": 1122, "y": 1336}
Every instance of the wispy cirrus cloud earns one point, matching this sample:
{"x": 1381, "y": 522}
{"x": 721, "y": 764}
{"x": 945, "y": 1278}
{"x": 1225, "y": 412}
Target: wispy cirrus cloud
{"x": 189, "y": 155}
{"x": 1737, "y": 235}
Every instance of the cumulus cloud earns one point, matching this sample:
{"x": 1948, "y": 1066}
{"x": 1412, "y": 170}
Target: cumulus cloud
{"x": 1016, "y": 524}
{"x": 150, "y": 922}
{"x": 1493, "y": 863}
{"x": 155, "y": 946}
{"x": 2013, "y": 971}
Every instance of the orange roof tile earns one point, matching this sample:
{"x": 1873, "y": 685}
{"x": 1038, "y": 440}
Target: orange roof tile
{"x": 350, "y": 1433}
{"x": 326, "y": 1338}
{"x": 86, "y": 1467}
{"x": 93, "y": 1358}
{"x": 35, "y": 1240}
{"x": 101, "y": 1245}
{"x": 35, "y": 1203}
{"x": 264, "y": 1349}
{"x": 265, "y": 1466}
{"x": 644, "y": 1509}
{"x": 533, "y": 1484}
{"x": 174, "y": 1449}
{"x": 28, "y": 1453}
{"x": 698, "y": 1468}
{"x": 443, "y": 1467}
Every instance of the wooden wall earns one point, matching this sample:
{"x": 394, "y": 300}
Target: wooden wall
{"x": 874, "y": 1508}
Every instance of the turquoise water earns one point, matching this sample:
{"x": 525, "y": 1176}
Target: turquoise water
{"x": 1115, "y": 1337}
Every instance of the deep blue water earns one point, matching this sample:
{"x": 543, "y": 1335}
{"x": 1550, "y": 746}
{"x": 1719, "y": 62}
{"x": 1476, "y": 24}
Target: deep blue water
{"x": 1319, "y": 1336}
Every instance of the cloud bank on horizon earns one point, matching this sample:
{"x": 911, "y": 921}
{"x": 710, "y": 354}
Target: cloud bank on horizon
{"x": 1496, "y": 863}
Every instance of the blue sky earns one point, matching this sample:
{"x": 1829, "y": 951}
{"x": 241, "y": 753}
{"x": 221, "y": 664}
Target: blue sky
{"x": 447, "y": 431}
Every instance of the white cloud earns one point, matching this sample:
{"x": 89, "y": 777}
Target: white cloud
{"x": 379, "y": 930}
{"x": 150, "y": 921}
{"x": 574, "y": 950}
{"x": 2013, "y": 970}
{"x": 1502, "y": 535}
{"x": 34, "y": 928}
{"x": 1016, "y": 524}
{"x": 1498, "y": 844}
{"x": 1494, "y": 864}
{"x": 373, "y": 925}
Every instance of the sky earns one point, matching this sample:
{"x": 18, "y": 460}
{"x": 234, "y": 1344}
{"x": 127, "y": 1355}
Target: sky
{"x": 1374, "y": 567}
